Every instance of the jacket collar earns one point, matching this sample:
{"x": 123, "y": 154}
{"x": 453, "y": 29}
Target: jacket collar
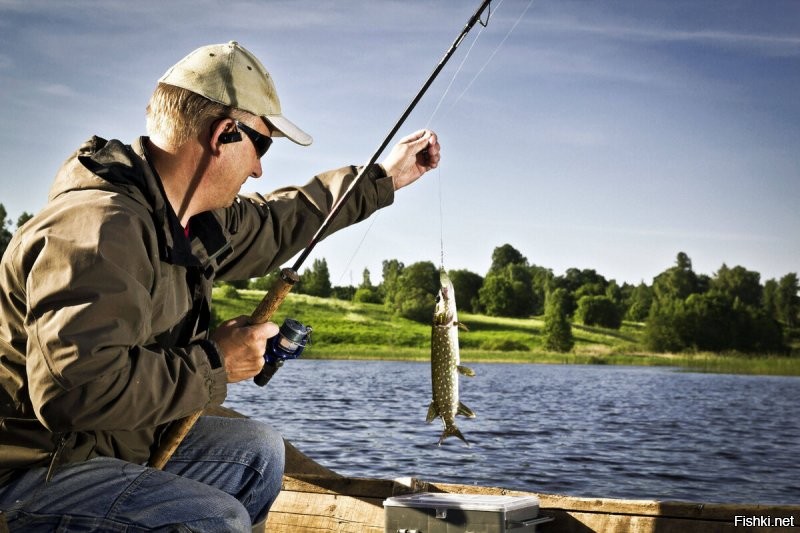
{"x": 207, "y": 243}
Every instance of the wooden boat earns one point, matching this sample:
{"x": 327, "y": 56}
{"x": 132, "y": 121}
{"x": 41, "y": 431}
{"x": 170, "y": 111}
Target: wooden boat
{"x": 314, "y": 499}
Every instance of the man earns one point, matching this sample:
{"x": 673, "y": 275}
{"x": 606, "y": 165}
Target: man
{"x": 104, "y": 308}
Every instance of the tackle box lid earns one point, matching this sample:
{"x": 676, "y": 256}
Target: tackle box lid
{"x": 465, "y": 502}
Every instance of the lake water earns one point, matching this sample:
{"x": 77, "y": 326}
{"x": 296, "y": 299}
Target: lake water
{"x": 595, "y": 431}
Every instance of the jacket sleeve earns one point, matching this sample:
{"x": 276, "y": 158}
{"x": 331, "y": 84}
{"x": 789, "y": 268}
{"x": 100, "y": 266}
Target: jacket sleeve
{"x": 268, "y": 230}
{"x": 89, "y": 280}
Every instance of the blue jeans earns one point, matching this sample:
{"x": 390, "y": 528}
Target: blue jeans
{"x": 223, "y": 477}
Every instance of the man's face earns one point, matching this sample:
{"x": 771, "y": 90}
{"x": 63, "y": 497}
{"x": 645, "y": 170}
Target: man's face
{"x": 237, "y": 162}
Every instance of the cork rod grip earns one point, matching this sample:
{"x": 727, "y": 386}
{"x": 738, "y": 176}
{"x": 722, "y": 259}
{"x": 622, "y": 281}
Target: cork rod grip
{"x": 275, "y": 296}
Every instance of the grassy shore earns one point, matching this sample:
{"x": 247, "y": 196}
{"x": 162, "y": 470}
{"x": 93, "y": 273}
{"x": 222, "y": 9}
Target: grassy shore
{"x": 347, "y": 330}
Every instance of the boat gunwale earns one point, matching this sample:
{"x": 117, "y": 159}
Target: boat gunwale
{"x": 373, "y": 488}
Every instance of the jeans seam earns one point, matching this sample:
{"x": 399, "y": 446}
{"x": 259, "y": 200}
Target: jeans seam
{"x": 127, "y": 492}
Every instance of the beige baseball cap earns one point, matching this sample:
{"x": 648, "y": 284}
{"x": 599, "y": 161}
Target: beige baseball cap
{"x": 231, "y": 75}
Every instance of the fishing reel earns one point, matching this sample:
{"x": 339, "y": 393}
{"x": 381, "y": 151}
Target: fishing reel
{"x": 289, "y": 343}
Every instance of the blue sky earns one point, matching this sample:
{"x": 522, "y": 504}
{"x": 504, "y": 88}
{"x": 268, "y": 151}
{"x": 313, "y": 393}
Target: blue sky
{"x": 607, "y": 135}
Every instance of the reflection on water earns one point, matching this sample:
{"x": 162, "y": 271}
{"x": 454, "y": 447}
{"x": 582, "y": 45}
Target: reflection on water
{"x": 619, "y": 432}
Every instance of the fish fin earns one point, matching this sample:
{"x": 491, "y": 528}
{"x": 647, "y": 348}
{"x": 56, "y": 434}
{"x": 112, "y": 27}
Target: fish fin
{"x": 465, "y": 370}
{"x": 462, "y": 326}
{"x": 463, "y": 410}
{"x": 432, "y": 413}
{"x": 452, "y": 431}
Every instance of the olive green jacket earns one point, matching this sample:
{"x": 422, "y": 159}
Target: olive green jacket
{"x": 104, "y": 302}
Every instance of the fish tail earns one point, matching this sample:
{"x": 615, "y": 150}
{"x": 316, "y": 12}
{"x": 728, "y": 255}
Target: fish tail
{"x": 452, "y": 431}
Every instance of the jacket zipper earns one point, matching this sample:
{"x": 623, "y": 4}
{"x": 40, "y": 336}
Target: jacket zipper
{"x": 54, "y": 462}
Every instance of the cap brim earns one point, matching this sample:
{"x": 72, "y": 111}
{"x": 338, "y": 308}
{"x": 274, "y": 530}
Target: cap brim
{"x": 287, "y": 128}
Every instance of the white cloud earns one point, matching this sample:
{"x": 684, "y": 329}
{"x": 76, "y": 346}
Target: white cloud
{"x": 616, "y": 29}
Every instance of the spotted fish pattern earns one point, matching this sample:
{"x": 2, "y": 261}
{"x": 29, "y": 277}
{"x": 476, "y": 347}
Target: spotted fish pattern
{"x": 445, "y": 363}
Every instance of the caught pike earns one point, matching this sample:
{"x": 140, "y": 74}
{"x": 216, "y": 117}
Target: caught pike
{"x": 445, "y": 362}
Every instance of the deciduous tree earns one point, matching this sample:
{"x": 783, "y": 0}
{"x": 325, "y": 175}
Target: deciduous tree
{"x": 599, "y": 311}
{"x": 505, "y": 255}
{"x": 466, "y": 285}
{"x": 415, "y": 292}
{"x": 508, "y": 292}
{"x": 316, "y": 280}
{"x": 557, "y": 329}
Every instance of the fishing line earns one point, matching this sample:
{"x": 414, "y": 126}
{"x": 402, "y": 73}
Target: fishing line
{"x": 469, "y": 85}
{"x": 441, "y": 218}
{"x": 358, "y": 247}
{"x": 510, "y": 31}
{"x": 458, "y": 70}
{"x": 430, "y": 119}
{"x": 483, "y": 24}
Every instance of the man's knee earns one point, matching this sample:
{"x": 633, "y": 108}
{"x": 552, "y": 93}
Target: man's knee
{"x": 270, "y": 456}
{"x": 221, "y": 514}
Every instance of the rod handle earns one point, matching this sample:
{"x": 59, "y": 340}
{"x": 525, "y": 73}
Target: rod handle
{"x": 172, "y": 439}
{"x": 275, "y": 296}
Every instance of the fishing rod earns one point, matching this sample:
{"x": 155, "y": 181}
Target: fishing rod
{"x": 289, "y": 276}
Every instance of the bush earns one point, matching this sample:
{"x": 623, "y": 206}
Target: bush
{"x": 367, "y": 295}
{"x": 264, "y": 283}
{"x": 599, "y": 311}
{"x": 228, "y": 291}
{"x": 346, "y": 292}
{"x": 504, "y": 345}
{"x": 416, "y": 304}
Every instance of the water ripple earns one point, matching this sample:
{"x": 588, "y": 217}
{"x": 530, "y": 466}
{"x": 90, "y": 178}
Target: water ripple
{"x": 595, "y": 431}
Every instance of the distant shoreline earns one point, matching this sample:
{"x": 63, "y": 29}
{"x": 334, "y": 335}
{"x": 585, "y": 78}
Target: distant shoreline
{"x": 706, "y": 363}
{"x": 348, "y": 330}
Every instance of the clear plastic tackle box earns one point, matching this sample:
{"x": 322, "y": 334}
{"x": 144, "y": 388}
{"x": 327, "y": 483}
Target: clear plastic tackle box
{"x": 432, "y": 512}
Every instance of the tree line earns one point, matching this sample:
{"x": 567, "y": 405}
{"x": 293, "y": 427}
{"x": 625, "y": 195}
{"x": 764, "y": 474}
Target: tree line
{"x": 681, "y": 310}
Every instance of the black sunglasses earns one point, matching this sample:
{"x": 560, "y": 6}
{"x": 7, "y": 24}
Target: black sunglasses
{"x": 260, "y": 141}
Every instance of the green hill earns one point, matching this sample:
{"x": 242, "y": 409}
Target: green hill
{"x": 356, "y": 330}
{"x": 348, "y": 330}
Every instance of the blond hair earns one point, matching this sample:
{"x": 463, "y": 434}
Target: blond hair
{"x": 176, "y": 115}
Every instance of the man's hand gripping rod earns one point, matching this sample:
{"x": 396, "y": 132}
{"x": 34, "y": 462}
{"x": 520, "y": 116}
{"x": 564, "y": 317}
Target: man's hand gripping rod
{"x": 173, "y": 437}
{"x": 288, "y": 277}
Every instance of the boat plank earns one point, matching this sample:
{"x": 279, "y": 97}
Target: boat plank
{"x": 312, "y": 504}
{"x": 351, "y": 486}
{"x": 316, "y": 512}
{"x": 674, "y": 509}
